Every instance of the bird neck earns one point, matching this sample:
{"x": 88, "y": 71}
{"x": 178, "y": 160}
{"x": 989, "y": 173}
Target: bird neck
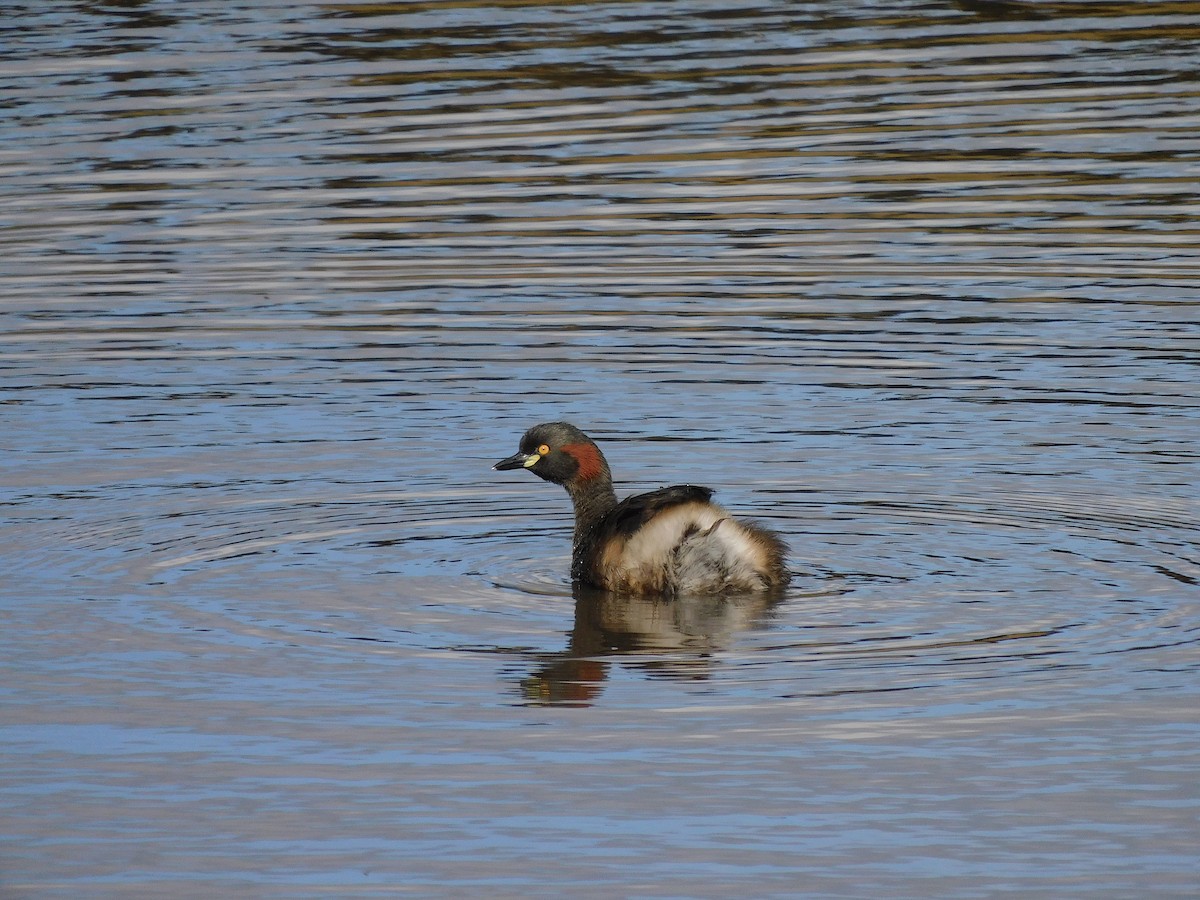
{"x": 592, "y": 498}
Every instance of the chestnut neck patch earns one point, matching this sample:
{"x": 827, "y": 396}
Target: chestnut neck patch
{"x": 588, "y": 457}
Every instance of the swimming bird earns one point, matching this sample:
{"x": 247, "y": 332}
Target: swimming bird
{"x": 671, "y": 542}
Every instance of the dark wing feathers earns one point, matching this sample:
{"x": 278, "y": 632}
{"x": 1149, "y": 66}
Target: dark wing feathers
{"x": 624, "y": 519}
{"x": 633, "y": 512}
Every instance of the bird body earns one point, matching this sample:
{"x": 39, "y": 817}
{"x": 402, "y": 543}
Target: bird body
{"x": 671, "y": 542}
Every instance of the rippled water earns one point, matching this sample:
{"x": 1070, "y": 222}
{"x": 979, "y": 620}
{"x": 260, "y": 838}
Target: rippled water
{"x": 913, "y": 282}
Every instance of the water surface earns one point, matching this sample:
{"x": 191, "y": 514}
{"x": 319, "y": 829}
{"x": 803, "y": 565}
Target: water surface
{"x": 914, "y": 283}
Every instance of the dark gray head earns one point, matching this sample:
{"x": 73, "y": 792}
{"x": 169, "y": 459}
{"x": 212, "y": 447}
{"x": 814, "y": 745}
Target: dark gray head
{"x": 558, "y": 452}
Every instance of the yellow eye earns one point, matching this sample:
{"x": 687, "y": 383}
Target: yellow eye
{"x": 543, "y": 450}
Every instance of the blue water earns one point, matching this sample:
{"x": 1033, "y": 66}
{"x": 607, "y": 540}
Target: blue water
{"x": 912, "y": 283}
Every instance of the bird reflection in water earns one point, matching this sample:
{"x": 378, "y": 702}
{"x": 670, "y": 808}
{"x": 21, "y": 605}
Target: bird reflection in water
{"x": 666, "y": 638}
